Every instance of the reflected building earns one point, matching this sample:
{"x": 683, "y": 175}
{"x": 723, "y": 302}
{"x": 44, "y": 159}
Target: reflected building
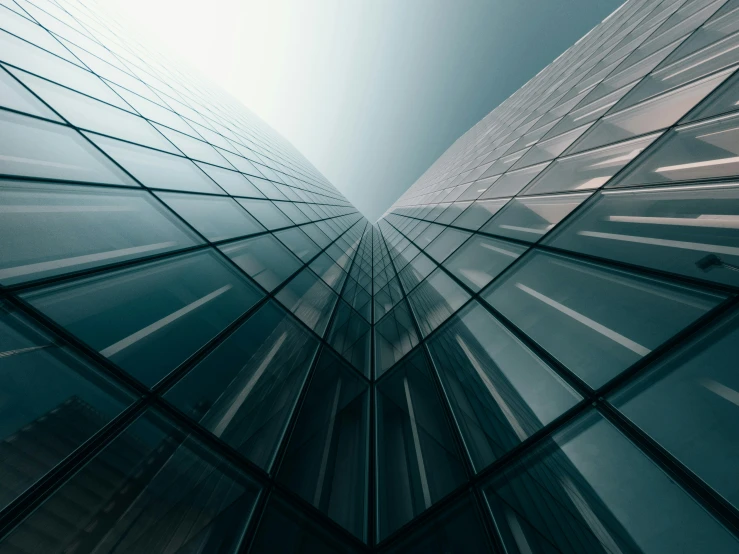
{"x": 204, "y": 347}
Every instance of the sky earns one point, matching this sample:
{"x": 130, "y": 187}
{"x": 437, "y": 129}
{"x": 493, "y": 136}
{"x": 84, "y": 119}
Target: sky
{"x": 371, "y": 92}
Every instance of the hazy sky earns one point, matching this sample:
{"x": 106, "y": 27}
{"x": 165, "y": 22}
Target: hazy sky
{"x": 370, "y": 91}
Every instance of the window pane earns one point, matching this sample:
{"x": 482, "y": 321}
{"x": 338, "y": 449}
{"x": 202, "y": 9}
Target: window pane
{"x": 150, "y": 490}
{"x": 446, "y": 243}
{"x": 417, "y": 461}
{"x": 530, "y": 218}
{"x": 14, "y": 96}
{"x": 589, "y": 170}
{"x": 232, "y": 182}
{"x": 215, "y": 217}
{"x": 297, "y": 241}
{"x": 689, "y": 403}
{"x": 329, "y": 271}
{"x": 416, "y": 271}
{"x": 150, "y": 318}
{"x": 596, "y": 321}
{"x": 326, "y": 460}
{"x": 52, "y": 229}
{"x": 245, "y": 390}
{"x": 350, "y": 336}
{"x": 705, "y": 150}
{"x": 589, "y": 490}
{"x": 500, "y": 392}
{"x": 264, "y": 259}
{"x": 481, "y": 259}
{"x": 266, "y": 213}
{"x": 395, "y": 336}
{"x": 30, "y": 147}
{"x": 52, "y": 403}
{"x": 310, "y": 299}
{"x": 511, "y": 183}
{"x": 284, "y": 529}
{"x": 435, "y": 299}
{"x": 691, "y": 230}
{"x": 457, "y": 530}
{"x": 156, "y": 169}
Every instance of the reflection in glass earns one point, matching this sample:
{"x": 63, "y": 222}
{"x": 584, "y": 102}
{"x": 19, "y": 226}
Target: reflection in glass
{"x": 53, "y": 229}
{"x": 326, "y": 459}
{"x": 435, "y": 299}
{"x": 596, "y": 321}
{"x": 310, "y": 299}
{"x": 52, "y": 402}
{"x": 482, "y": 259}
{"x": 151, "y": 490}
{"x": 30, "y": 147}
{"x": 590, "y": 491}
{"x": 690, "y": 230}
{"x": 215, "y": 217}
{"x": 689, "y": 404}
{"x": 417, "y": 461}
{"x": 150, "y": 318}
{"x": 500, "y": 392}
{"x": 264, "y": 259}
{"x": 446, "y": 243}
{"x": 350, "y": 336}
{"x": 395, "y": 336}
{"x": 530, "y": 218}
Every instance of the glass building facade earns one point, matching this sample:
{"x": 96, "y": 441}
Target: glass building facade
{"x": 205, "y": 348}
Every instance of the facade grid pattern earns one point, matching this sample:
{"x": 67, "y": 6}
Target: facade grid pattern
{"x": 204, "y": 347}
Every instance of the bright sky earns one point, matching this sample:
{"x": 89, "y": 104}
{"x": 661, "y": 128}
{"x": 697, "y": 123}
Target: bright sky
{"x": 370, "y": 91}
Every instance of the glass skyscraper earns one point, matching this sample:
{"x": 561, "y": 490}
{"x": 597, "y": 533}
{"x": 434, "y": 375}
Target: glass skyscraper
{"x": 205, "y": 348}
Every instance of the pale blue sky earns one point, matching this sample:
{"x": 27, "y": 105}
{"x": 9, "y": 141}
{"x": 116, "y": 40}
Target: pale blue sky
{"x": 371, "y": 91}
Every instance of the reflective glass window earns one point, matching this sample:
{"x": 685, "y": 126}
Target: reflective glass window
{"x": 395, "y": 336}
{"x": 596, "y": 321}
{"x": 150, "y": 318}
{"x": 266, "y": 213}
{"x": 264, "y": 259}
{"x": 310, "y": 299}
{"x": 435, "y": 299}
{"x": 300, "y": 244}
{"x": 245, "y": 390}
{"x": 446, "y": 243}
{"x": 481, "y": 259}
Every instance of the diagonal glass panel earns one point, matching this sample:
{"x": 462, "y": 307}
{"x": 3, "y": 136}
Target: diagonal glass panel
{"x": 350, "y": 336}
{"x": 481, "y": 259}
{"x": 264, "y": 259}
{"x": 435, "y": 299}
{"x": 310, "y": 299}
{"x": 326, "y": 459}
{"x": 395, "y": 336}
{"x": 150, "y": 318}
{"x": 500, "y": 391}
{"x": 595, "y": 320}
{"x": 246, "y": 389}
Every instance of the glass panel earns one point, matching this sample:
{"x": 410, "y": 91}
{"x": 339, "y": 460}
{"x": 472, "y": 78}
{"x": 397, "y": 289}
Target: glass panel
{"x": 245, "y": 390}
{"x": 151, "y": 490}
{"x": 215, "y": 217}
{"x": 264, "y": 259}
{"x": 596, "y": 321}
{"x": 446, "y": 243}
{"x": 530, "y": 218}
{"x": 156, "y": 169}
{"x": 15, "y": 97}
{"x": 326, "y": 459}
{"x": 500, "y": 392}
{"x": 52, "y": 403}
{"x": 310, "y": 299}
{"x": 350, "y": 336}
{"x": 284, "y": 529}
{"x": 691, "y": 230}
{"x": 589, "y": 490}
{"x": 232, "y": 182}
{"x": 150, "y": 318}
{"x": 193, "y": 148}
{"x": 589, "y": 170}
{"x": 266, "y": 213}
{"x": 482, "y": 259}
{"x": 417, "y": 461}
{"x": 86, "y": 113}
{"x": 705, "y": 150}
{"x": 395, "y": 336}
{"x": 30, "y": 147}
{"x": 725, "y": 99}
{"x": 689, "y": 404}
{"x": 297, "y": 241}
{"x": 551, "y": 148}
{"x": 479, "y": 212}
{"x": 329, "y": 271}
{"x": 416, "y": 271}
{"x": 435, "y": 299}
{"x": 512, "y": 183}
{"x": 658, "y": 113}
{"x": 53, "y": 229}
{"x": 457, "y": 530}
